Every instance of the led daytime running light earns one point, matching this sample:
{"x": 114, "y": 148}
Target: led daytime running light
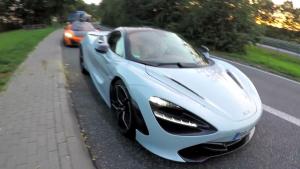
{"x": 172, "y": 119}
{"x": 68, "y": 35}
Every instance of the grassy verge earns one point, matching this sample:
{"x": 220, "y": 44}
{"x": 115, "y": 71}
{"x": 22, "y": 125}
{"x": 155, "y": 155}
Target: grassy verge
{"x": 270, "y": 60}
{"x": 14, "y": 48}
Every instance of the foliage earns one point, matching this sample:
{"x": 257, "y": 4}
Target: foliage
{"x": 222, "y": 25}
{"x": 15, "y": 13}
{"x": 281, "y": 16}
{"x": 159, "y": 13}
{"x": 270, "y": 60}
{"x": 283, "y": 34}
{"x": 119, "y": 17}
{"x": 14, "y": 48}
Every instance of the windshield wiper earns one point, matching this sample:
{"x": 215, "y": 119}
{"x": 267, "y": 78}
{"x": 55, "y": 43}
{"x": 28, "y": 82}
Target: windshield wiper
{"x": 179, "y": 64}
{"x": 167, "y": 64}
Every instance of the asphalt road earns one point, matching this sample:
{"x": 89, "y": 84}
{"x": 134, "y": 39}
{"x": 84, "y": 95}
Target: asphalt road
{"x": 278, "y": 49}
{"x": 276, "y": 143}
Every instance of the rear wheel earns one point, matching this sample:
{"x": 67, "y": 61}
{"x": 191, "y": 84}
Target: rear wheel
{"x": 81, "y": 62}
{"x": 121, "y": 105}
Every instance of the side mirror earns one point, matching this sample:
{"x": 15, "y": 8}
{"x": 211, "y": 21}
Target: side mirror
{"x": 101, "y": 48}
{"x": 204, "y": 50}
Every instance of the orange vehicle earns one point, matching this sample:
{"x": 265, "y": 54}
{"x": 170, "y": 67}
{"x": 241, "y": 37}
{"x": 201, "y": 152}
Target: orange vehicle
{"x": 73, "y": 33}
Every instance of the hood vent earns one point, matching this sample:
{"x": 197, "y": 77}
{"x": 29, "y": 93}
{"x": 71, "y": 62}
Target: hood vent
{"x": 234, "y": 79}
{"x": 186, "y": 87}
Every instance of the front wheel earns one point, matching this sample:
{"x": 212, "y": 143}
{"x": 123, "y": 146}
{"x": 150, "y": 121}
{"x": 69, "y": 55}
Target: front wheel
{"x": 121, "y": 105}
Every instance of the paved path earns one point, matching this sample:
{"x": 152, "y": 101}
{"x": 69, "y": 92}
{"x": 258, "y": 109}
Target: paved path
{"x": 280, "y": 50}
{"x": 38, "y": 130}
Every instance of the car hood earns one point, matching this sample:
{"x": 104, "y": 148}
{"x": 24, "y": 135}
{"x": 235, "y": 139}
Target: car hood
{"x": 216, "y": 86}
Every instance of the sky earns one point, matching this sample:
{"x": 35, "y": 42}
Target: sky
{"x": 295, "y": 2}
{"x": 92, "y": 1}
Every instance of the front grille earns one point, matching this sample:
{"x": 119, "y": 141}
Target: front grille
{"x": 202, "y": 152}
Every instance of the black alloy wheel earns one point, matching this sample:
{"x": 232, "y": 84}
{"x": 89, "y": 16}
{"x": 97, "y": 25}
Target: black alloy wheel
{"x": 121, "y": 105}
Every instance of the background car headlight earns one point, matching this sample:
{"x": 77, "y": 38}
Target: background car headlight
{"x": 176, "y": 120}
{"x": 68, "y": 35}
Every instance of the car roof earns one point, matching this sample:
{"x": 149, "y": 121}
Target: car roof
{"x": 138, "y": 29}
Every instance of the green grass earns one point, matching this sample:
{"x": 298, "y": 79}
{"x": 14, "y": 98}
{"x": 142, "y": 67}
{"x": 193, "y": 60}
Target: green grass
{"x": 273, "y": 61}
{"x": 14, "y": 48}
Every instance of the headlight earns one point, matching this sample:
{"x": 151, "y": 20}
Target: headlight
{"x": 68, "y": 35}
{"x": 176, "y": 120}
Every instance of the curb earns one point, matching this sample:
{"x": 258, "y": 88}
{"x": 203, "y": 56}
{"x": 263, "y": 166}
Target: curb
{"x": 80, "y": 158}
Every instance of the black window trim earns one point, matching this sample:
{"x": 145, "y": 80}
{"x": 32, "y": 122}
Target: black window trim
{"x": 122, "y": 36}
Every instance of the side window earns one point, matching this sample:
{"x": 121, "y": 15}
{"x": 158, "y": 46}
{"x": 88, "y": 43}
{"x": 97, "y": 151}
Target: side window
{"x": 120, "y": 47}
{"x": 116, "y": 43}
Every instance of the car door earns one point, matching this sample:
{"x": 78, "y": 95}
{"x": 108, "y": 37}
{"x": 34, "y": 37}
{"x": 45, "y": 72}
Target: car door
{"x": 105, "y": 63}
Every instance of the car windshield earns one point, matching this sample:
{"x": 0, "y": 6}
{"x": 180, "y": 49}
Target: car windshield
{"x": 157, "y": 47}
{"x": 82, "y": 26}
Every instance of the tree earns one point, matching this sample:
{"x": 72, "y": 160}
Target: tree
{"x": 161, "y": 13}
{"x": 223, "y": 25}
{"x": 113, "y": 13}
{"x": 9, "y": 19}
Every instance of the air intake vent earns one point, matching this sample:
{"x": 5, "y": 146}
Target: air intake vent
{"x": 233, "y": 78}
{"x": 185, "y": 87}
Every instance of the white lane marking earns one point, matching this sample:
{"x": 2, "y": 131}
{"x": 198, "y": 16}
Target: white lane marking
{"x": 253, "y": 68}
{"x": 282, "y": 115}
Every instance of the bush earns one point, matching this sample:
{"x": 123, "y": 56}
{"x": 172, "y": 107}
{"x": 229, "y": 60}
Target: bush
{"x": 6, "y": 27}
{"x": 222, "y": 25}
{"x": 283, "y": 34}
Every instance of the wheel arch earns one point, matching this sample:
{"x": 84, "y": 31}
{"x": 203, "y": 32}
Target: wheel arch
{"x": 113, "y": 81}
{"x": 80, "y": 50}
{"x": 139, "y": 119}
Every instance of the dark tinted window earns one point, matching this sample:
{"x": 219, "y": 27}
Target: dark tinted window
{"x": 116, "y": 43}
{"x": 82, "y": 26}
{"x": 75, "y": 16}
{"x": 161, "y": 47}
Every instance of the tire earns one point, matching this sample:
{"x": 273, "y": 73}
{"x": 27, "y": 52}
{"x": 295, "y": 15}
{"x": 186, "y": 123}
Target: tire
{"x": 81, "y": 63}
{"x": 121, "y": 106}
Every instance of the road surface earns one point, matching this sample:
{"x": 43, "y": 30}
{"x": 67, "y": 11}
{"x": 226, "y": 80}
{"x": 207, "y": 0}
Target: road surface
{"x": 280, "y": 50}
{"x": 276, "y": 143}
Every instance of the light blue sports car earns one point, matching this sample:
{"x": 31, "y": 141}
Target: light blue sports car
{"x": 177, "y": 102}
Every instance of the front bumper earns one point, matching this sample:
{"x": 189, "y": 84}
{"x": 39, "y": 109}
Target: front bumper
{"x": 202, "y": 152}
{"x": 74, "y": 41}
{"x": 171, "y": 146}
